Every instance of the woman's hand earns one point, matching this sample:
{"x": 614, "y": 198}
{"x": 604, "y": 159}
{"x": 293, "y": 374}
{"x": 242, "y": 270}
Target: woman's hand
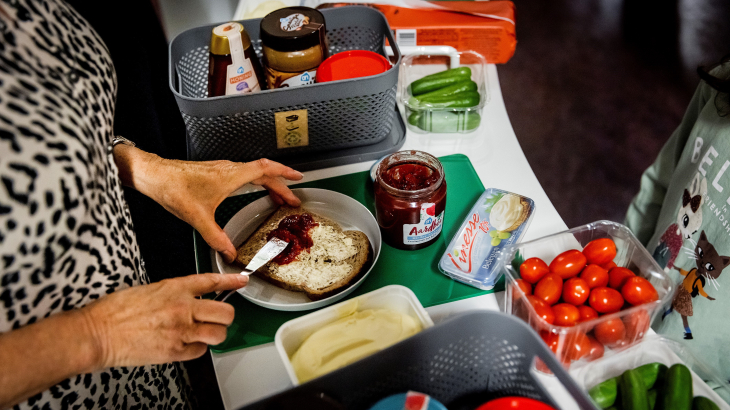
{"x": 161, "y": 322}
{"x": 193, "y": 190}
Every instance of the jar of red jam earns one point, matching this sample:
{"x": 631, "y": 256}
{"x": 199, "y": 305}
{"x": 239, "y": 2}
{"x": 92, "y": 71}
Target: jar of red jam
{"x": 410, "y": 198}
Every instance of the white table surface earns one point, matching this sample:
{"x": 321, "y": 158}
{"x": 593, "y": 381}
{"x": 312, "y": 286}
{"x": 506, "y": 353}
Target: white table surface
{"x": 247, "y": 375}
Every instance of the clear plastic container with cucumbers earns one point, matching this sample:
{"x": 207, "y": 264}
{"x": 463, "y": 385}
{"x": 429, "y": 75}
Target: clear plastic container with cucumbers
{"x": 443, "y": 93}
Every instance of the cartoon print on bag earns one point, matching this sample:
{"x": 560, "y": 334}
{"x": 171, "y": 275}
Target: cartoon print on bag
{"x": 689, "y": 220}
{"x": 709, "y": 267}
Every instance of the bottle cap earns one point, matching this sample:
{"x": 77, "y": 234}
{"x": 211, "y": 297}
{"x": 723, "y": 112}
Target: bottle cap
{"x": 219, "y": 41}
{"x": 292, "y": 29}
{"x": 352, "y": 64}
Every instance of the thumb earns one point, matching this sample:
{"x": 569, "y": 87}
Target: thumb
{"x": 203, "y": 283}
{"x": 217, "y": 239}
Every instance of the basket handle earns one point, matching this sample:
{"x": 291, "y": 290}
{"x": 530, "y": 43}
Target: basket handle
{"x": 429, "y": 50}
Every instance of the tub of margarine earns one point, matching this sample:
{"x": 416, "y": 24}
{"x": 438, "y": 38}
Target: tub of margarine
{"x": 331, "y": 338}
{"x": 498, "y": 218}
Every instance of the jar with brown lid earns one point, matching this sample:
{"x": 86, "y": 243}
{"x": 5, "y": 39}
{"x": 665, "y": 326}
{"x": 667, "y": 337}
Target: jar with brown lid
{"x": 293, "y": 46}
{"x": 247, "y": 75}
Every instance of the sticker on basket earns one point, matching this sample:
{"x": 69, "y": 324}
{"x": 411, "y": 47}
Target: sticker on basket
{"x": 416, "y": 401}
{"x": 291, "y": 129}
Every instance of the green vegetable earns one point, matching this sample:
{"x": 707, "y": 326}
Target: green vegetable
{"x": 651, "y": 372}
{"x": 461, "y": 100}
{"x": 440, "y": 80}
{"x": 676, "y": 391}
{"x": 651, "y": 395}
{"x": 633, "y": 392}
{"x": 703, "y": 403}
{"x": 460, "y": 87}
{"x": 445, "y": 121}
{"x": 604, "y": 394}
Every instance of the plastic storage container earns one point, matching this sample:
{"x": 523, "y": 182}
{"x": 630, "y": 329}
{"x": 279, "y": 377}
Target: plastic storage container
{"x": 442, "y": 120}
{"x": 630, "y": 253}
{"x": 705, "y": 381}
{"x": 462, "y": 363}
{"x": 394, "y": 297}
{"x": 331, "y": 117}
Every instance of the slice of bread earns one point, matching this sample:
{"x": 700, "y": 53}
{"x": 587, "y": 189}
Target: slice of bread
{"x": 336, "y": 260}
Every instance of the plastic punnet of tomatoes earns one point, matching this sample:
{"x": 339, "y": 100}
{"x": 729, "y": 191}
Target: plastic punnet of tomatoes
{"x": 586, "y": 291}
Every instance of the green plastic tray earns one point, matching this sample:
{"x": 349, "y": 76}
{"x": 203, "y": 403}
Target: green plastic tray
{"x": 418, "y": 270}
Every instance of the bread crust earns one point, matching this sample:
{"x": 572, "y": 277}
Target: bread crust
{"x": 360, "y": 262}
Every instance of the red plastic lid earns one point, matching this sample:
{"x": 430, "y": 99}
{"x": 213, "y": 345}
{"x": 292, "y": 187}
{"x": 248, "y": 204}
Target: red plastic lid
{"x": 514, "y": 403}
{"x": 351, "y": 64}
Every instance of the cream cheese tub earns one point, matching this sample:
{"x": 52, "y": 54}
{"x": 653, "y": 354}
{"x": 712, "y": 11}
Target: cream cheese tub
{"x": 497, "y": 219}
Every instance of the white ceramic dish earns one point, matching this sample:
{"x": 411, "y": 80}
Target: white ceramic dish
{"x": 293, "y": 333}
{"x": 347, "y": 212}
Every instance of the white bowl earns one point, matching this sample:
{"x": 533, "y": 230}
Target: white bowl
{"x": 347, "y": 212}
{"x": 293, "y": 333}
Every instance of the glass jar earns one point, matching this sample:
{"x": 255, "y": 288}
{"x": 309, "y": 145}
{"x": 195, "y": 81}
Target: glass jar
{"x": 293, "y": 45}
{"x": 410, "y": 199}
{"x": 251, "y": 77}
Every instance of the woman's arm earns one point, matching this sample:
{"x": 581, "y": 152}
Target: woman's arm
{"x": 157, "y": 323}
{"x": 192, "y": 190}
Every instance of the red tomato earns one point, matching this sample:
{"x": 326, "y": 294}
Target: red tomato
{"x": 565, "y": 314}
{"x": 514, "y": 403}
{"x": 586, "y": 313}
{"x": 595, "y": 275}
{"x": 617, "y": 276}
{"x": 543, "y": 310}
{"x": 525, "y": 287}
{"x": 600, "y": 251}
{"x": 533, "y": 269}
{"x": 550, "y": 339}
{"x": 596, "y": 351}
{"x": 637, "y": 291}
{"x": 610, "y": 332}
{"x": 606, "y": 300}
{"x": 609, "y": 265}
{"x": 549, "y": 288}
{"x": 637, "y": 323}
{"x": 576, "y": 291}
{"x": 568, "y": 264}
{"x": 578, "y": 345}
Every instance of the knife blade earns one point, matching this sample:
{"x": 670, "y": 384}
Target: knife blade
{"x": 272, "y": 248}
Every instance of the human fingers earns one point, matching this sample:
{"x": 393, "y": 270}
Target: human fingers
{"x": 215, "y": 237}
{"x": 191, "y": 351}
{"x": 267, "y": 168}
{"x": 211, "y": 311}
{"x": 208, "y": 333}
{"x": 276, "y": 198}
{"x": 201, "y": 284}
{"x": 277, "y": 187}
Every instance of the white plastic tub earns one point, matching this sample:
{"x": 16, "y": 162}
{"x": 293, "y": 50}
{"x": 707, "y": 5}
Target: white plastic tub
{"x": 293, "y": 333}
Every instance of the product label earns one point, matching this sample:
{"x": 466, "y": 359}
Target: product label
{"x": 294, "y": 22}
{"x": 305, "y": 78}
{"x": 406, "y": 37}
{"x": 241, "y": 79}
{"x": 291, "y": 129}
{"x": 428, "y": 228}
{"x": 465, "y": 241}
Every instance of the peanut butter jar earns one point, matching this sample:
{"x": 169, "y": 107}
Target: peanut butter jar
{"x": 293, "y": 45}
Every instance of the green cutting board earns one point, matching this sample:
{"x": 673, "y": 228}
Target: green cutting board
{"x": 417, "y": 270}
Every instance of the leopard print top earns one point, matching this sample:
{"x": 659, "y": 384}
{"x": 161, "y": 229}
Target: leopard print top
{"x": 66, "y": 237}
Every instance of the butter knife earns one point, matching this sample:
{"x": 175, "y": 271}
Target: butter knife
{"x": 272, "y": 248}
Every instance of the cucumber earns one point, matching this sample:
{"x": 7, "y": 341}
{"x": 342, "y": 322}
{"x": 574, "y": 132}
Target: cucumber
{"x": 461, "y": 100}
{"x": 445, "y": 121}
{"x": 703, "y": 403}
{"x": 676, "y": 391}
{"x": 440, "y": 80}
{"x": 454, "y": 89}
{"x": 633, "y": 392}
{"x": 651, "y": 372}
{"x": 651, "y": 395}
{"x": 604, "y": 394}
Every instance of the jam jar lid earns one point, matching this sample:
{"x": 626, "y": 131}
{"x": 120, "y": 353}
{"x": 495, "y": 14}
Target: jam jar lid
{"x": 219, "y": 41}
{"x": 292, "y": 28}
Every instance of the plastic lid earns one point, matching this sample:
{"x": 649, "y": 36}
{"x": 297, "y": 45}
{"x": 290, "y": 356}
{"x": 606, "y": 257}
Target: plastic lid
{"x": 352, "y": 64}
{"x": 292, "y": 28}
{"x": 219, "y": 40}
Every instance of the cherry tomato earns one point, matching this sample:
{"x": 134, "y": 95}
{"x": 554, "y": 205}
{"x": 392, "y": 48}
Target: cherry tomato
{"x": 637, "y": 323}
{"x": 595, "y": 275}
{"x": 576, "y": 291}
{"x": 533, "y": 269}
{"x": 565, "y": 314}
{"x": 617, "y": 276}
{"x": 600, "y": 251}
{"x": 609, "y": 265}
{"x": 578, "y": 345}
{"x": 605, "y": 300}
{"x": 586, "y": 313}
{"x": 550, "y": 339}
{"x": 568, "y": 264}
{"x": 525, "y": 287}
{"x": 549, "y": 288}
{"x": 637, "y": 291}
{"x": 610, "y": 332}
{"x": 596, "y": 351}
{"x": 543, "y": 310}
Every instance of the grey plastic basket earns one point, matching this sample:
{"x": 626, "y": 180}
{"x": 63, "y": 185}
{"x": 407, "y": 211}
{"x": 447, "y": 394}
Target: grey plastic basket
{"x": 341, "y": 115}
{"x": 462, "y": 363}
